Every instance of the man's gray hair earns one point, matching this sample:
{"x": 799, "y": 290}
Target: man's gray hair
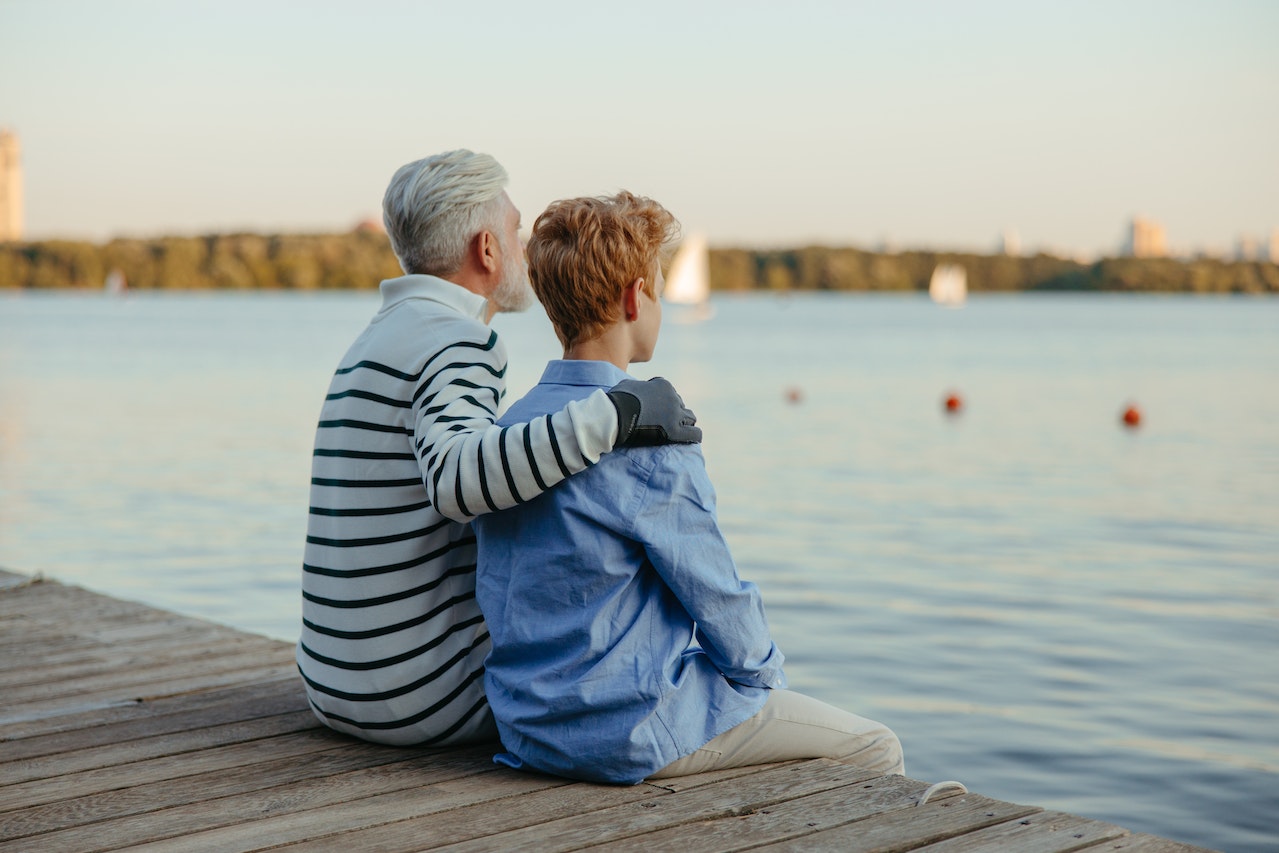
{"x": 433, "y": 208}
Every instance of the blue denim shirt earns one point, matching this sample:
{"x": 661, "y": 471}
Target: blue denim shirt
{"x": 623, "y": 638}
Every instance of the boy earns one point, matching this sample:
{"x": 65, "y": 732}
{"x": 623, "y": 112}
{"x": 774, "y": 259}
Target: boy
{"x": 625, "y": 646}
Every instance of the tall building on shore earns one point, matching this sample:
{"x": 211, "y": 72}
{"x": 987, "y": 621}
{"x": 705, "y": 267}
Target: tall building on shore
{"x": 1146, "y": 239}
{"x": 10, "y": 187}
{"x": 1010, "y": 242}
{"x": 1247, "y": 248}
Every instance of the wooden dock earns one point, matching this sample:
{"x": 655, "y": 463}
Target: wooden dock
{"x": 126, "y": 727}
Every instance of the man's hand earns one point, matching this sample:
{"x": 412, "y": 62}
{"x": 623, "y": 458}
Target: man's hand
{"x": 650, "y": 413}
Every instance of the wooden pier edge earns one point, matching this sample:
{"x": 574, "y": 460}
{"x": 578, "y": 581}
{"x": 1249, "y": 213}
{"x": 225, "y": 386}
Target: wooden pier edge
{"x": 127, "y": 727}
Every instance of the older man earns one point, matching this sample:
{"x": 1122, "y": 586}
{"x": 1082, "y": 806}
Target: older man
{"x": 393, "y": 644}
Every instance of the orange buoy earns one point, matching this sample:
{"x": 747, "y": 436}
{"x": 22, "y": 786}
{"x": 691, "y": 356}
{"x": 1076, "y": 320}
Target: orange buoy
{"x": 794, "y": 395}
{"x": 954, "y": 404}
{"x": 1132, "y": 417}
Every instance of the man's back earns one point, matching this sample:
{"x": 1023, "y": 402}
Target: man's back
{"x": 591, "y": 591}
{"x": 393, "y": 643}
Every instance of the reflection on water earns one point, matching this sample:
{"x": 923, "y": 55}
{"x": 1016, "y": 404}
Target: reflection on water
{"x": 1043, "y": 604}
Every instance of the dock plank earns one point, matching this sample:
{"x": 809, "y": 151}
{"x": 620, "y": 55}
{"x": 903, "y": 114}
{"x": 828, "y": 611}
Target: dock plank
{"x": 719, "y": 800}
{"x": 491, "y": 789}
{"x": 111, "y": 696}
{"x": 82, "y": 666}
{"x": 139, "y": 677}
{"x": 240, "y": 706}
{"x": 846, "y": 818}
{"x": 250, "y": 696}
{"x": 1143, "y": 843}
{"x": 126, "y": 727}
{"x": 179, "y": 808}
{"x": 166, "y": 768}
{"x": 1046, "y": 832}
{"x": 910, "y": 828}
{"x": 174, "y": 743}
{"x": 482, "y": 821}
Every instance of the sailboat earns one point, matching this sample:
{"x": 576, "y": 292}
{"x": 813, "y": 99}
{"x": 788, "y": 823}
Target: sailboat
{"x": 689, "y": 281}
{"x": 115, "y": 283}
{"x": 949, "y": 285}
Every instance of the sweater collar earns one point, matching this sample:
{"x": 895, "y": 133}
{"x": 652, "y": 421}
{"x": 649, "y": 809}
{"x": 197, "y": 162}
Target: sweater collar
{"x": 397, "y": 290}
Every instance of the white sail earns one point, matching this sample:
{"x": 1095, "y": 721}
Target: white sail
{"x": 115, "y": 283}
{"x": 949, "y": 285}
{"x": 689, "y": 282}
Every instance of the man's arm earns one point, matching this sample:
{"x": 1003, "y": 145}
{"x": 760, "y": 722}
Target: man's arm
{"x": 681, "y": 536}
{"x": 470, "y": 466}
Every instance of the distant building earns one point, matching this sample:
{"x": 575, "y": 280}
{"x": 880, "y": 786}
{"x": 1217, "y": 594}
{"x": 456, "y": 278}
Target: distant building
{"x": 1272, "y": 246}
{"x": 1247, "y": 248}
{"x": 10, "y": 187}
{"x": 1010, "y": 242}
{"x": 1146, "y": 239}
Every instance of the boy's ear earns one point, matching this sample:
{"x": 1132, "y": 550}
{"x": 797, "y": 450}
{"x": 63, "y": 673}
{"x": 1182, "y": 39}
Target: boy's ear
{"x": 631, "y": 299}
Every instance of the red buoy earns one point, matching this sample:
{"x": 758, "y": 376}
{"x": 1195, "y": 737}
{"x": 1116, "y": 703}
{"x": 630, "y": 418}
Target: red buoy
{"x": 953, "y": 403}
{"x": 794, "y": 395}
{"x": 1132, "y": 417}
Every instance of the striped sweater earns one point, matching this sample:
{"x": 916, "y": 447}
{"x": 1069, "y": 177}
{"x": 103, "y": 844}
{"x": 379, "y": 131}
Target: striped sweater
{"x": 393, "y": 644}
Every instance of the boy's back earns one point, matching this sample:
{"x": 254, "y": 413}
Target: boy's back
{"x": 591, "y": 592}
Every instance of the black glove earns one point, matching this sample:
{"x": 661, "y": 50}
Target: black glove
{"x": 650, "y": 413}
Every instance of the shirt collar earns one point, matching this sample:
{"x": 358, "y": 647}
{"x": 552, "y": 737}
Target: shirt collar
{"x": 396, "y": 290}
{"x": 601, "y": 374}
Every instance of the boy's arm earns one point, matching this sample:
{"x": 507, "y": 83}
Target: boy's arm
{"x": 470, "y": 466}
{"x": 681, "y": 536}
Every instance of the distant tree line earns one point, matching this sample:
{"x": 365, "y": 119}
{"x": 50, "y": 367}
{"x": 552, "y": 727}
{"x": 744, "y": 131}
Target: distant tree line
{"x": 821, "y": 268}
{"x": 362, "y": 258}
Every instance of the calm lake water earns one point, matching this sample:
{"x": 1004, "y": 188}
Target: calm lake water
{"x": 1044, "y": 605}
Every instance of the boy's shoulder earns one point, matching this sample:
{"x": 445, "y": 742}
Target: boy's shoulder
{"x": 536, "y": 402}
{"x": 563, "y": 381}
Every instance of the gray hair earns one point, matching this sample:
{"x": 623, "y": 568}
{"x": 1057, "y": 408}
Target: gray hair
{"x": 433, "y": 207}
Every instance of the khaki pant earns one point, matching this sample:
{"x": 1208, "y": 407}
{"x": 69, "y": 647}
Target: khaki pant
{"x": 792, "y": 725}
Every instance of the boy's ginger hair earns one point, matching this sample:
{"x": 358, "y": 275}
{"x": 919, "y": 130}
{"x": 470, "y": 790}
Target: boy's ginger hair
{"x": 583, "y": 252}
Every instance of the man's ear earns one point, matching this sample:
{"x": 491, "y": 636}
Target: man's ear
{"x": 631, "y": 300}
{"x": 486, "y": 249}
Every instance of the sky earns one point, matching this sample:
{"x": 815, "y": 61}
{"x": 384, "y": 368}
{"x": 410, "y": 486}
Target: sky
{"x": 905, "y": 124}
